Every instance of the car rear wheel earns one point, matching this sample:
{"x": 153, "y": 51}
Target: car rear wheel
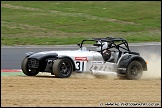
{"x": 62, "y": 68}
{"x": 134, "y": 71}
{"x": 26, "y": 70}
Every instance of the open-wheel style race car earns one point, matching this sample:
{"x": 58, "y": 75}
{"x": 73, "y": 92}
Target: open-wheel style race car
{"x": 107, "y": 55}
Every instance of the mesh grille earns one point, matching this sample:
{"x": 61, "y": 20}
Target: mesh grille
{"x": 33, "y": 63}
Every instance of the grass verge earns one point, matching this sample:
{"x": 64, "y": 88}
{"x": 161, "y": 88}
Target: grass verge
{"x": 68, "y": 22}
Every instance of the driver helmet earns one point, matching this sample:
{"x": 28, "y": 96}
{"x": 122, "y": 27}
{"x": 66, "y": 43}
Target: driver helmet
{"x": 105, "y": 45}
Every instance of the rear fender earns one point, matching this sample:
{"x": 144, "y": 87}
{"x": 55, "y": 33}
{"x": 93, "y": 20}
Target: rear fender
{"x": 126, "y": 59}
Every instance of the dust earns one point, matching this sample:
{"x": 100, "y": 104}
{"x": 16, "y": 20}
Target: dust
{"x": 153, "y": 66}
{"x": 88, "y": 75}
{"x": 153, "y": 72}
{"x": 85, "y": 75}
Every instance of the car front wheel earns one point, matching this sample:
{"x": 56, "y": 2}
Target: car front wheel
{"x": 134, "y": 71}
{"x": 26, "y": 70}
{"x": 62, "y": 68}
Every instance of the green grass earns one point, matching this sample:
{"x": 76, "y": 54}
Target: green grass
{"x": 68, "y": 22}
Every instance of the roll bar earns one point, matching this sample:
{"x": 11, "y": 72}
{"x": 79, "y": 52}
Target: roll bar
{"x": 113, "y": 43}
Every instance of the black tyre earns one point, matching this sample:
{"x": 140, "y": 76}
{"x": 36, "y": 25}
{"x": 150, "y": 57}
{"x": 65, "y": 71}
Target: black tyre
{"x": 134, "y": 71}
{"x": 26, "y": 70}
{"x": 62, "y": 68}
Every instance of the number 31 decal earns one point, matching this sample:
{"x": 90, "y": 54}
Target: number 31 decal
{"x": 79, "y": 65}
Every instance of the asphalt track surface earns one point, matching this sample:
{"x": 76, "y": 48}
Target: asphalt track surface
{"x": 11, "y": 57}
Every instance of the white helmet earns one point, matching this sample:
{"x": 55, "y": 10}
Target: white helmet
{"x": 105, "y": 45}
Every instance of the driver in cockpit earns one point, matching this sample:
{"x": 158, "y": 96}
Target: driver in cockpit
{"x": 106, "y": 53}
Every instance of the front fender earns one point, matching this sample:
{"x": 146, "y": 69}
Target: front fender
{"x": 67, "y": 57}
{"x": 43, "y": 59}
{"x": 41, "y": 56}
{"x": 29, "y": 53}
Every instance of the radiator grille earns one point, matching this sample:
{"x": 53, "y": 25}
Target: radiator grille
{"x": 33, "y": 63}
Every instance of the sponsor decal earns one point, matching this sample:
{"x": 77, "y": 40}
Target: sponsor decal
{"x": 122, "y": 69}
{"x": 97, "y": 62}
{"x": 103, "y": 68}
{"x": 100, "y": 68}
{"x": 81, "y": 58}
{"x": 95, "y": 68}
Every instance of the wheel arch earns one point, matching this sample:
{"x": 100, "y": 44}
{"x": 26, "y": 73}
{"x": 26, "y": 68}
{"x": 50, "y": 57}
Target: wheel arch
{"x": 123, "y": 63}
{"x": 142, "y": 61}
{"x": 42, "y": 59}
{"x": 69, "y": 58}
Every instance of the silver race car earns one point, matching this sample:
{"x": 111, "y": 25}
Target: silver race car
{"x": 106, "y": 55}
